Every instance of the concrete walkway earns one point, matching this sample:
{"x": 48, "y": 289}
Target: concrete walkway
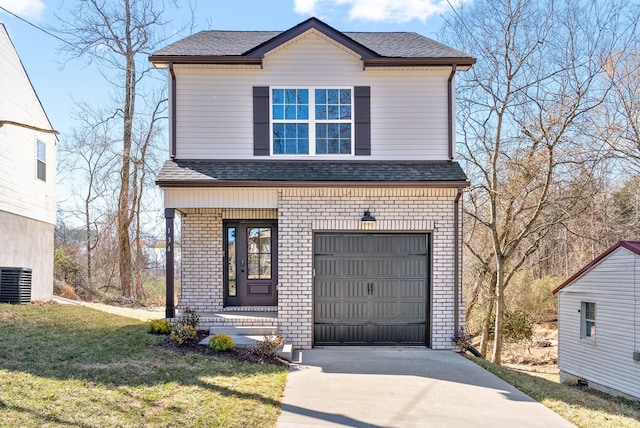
{"x": 136, "y": 313}
{"x": 403, "y": 387}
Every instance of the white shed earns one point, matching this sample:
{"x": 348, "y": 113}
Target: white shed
{"x": 599, "y": 322}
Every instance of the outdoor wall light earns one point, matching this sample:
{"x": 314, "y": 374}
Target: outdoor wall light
{"x": 367, "y": 216}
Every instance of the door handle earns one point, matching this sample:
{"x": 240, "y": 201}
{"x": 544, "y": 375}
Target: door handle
{"x": 242, "y": 265}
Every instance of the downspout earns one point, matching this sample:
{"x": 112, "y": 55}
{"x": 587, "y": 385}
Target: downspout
{"x": 450, "y": 109}
{"x": 172, "y": 107}
{"x": 456, "y": 260}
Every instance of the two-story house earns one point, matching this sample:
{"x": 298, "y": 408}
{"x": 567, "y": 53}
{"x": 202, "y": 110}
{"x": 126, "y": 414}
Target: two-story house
{"x": 27, "y": 178}
{"x": 314, "y": 174}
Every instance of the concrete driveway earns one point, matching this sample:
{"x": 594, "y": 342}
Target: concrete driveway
{"x": 403, "y": 387}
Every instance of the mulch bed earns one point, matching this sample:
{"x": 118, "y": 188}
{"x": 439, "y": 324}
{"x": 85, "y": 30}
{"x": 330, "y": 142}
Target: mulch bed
{"x": 243, "y": 355}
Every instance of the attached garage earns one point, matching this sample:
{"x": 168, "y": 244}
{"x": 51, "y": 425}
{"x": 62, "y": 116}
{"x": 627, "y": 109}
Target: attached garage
{"x": 371, "y": 289}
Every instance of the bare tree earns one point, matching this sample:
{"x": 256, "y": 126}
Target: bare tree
{"x": 87, "y": 162}
{"x": 522, "y": 109}
{"x": 119, "y": 36}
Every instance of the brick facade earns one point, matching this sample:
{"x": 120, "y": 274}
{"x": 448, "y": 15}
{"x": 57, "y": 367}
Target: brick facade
{"x": 300, "y": 213}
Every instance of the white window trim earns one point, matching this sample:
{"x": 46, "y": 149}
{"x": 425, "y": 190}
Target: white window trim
{"x": 584, "y": 320}
{"x": 312, "y": 122}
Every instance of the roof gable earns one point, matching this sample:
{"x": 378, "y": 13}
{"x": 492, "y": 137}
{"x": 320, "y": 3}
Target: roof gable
{"x": 311, "y": 24}
{"x": 249, "y": 47}
{"x": 633, "y": 246}
{"x": 14, "y": 76}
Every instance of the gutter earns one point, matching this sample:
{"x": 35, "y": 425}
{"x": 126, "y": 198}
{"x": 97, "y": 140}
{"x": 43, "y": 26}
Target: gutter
{"x": 450, "y": 109}
{"x": 214, "y": 183}
{"x": 172, "y": 107}
{"x": 456, "y": 260}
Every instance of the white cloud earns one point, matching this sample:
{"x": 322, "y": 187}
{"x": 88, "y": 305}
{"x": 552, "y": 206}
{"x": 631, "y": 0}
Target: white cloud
{"x": 378, "y": 10}
{"x": 28, "y": 9}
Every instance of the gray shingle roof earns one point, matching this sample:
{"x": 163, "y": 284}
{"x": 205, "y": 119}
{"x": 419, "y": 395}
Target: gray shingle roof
{"x": 196, "y": 173}
{"x": 215, "y": 43}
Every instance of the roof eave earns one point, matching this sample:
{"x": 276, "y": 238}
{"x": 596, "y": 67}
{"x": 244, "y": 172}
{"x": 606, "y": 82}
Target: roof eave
{"x": 162, "y": 61}
{"x": 286, "y": 183}
{"x": 625, "y": 244}
{"x": 462, "y": 64}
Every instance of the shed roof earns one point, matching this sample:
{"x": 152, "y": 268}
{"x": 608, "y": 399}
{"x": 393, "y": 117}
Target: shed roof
{"x": 376, "y": 48}
{"x": 272, "y": 173}
{"x": 633, "y": 246}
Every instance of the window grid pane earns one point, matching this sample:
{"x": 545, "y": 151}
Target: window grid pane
{"x": 231, "y": 262}
{"x": 259, "y": 252}
{"x": 41, "y": 157}
{"x": 330, "y": 121}
{"x": 588, "y": 319}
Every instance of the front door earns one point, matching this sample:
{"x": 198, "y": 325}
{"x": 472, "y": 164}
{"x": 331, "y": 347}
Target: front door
{"x": 251, "y": 255}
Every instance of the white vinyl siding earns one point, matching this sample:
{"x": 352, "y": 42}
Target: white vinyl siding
{"x": 215, "y": 106}
{"x": 220, "y": 198}
{"x": 613, "y": 285}
{"x": 21, "y": 192}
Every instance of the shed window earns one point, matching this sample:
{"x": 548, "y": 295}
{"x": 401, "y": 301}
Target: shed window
{"x": 588, "y": 319}
{"x": 41, "y": 161}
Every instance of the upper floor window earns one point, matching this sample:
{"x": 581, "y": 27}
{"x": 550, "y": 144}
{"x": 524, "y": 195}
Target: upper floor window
{"x": 312, "y": 121}
{"x": 41, "y": 160}
{"x": 588, "y": 319}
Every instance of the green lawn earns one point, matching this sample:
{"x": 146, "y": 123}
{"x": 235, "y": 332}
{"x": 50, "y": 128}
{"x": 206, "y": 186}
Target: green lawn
{"x": 73, "y": 366}
{"x": 586, "y": 408}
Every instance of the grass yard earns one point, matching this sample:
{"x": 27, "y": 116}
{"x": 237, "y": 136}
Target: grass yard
{"x": 586, "y": 408}
{"x": 73, "y": 366}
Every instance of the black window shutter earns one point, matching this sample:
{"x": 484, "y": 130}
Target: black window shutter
{"x": 362, "y": 111}
{"x": 261, "y": 121}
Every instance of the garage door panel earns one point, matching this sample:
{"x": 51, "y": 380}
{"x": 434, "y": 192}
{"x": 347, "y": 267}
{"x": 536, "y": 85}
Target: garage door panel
{"x": 329, "y": 266}
{"x": 416, "y": 289}
{"x": 355, "y": 311}
{"x": 343, "y": 334}
{"x": 414, "y": 312}
{"x": 354, "y": 289}
{"x": 377, "y": 292}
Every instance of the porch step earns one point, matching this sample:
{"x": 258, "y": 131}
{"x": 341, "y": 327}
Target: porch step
{"x": 242, "y": 330}
{"x": 248, "y": 341}
{"x": 240, "y": 318}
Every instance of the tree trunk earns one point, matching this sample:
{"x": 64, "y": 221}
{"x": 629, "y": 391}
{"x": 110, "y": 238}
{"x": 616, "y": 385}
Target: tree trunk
{"x": 484, "y": 338}
{"x": 124, "y": 201}
{"x": 500, "y": 302}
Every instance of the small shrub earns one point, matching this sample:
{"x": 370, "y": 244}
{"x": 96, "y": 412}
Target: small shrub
{"x": 517, "y": 326}
{"x": 462, "y": 339}
{"x": 189, "y": 317}
{"x": 268, "y": 346}
{"x": 181, "y": 333}
{"x": 222, "y": 343}
{"x": 160, "y": 326}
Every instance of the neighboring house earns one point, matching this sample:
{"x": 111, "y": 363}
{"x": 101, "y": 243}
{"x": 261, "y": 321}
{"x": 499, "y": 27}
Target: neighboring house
{"x": 599, "y": 322}
{"x": 314, "y": 174}
{"x": 27, "y": 175}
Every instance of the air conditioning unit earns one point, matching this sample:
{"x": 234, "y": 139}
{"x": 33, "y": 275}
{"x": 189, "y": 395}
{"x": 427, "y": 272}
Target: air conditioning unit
{"x": 15, "y": 285}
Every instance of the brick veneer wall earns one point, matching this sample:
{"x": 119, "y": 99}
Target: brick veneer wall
{"x": 203, "y": 254}
{"x": 303, "y": 211}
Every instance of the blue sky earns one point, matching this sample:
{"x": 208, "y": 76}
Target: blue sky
{"x": 59, "y": 84}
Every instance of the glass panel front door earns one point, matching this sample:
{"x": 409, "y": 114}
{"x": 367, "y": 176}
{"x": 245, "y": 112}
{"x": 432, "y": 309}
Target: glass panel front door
{"x": 251, "y": 258}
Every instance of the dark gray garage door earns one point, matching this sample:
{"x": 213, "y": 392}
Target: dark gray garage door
{"x": 370, "y": 289}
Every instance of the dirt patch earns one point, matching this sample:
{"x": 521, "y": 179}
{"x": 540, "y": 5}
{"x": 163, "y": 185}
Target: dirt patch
{"x": 540, "y": 352}
{"x": 243, "y": 355}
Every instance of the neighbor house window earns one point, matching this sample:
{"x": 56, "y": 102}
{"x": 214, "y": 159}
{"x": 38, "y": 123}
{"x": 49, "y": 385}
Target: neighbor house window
{"x": 312, "y": 121}
{"x": 41, "y": 158}
{"x": 588, "y": 319}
